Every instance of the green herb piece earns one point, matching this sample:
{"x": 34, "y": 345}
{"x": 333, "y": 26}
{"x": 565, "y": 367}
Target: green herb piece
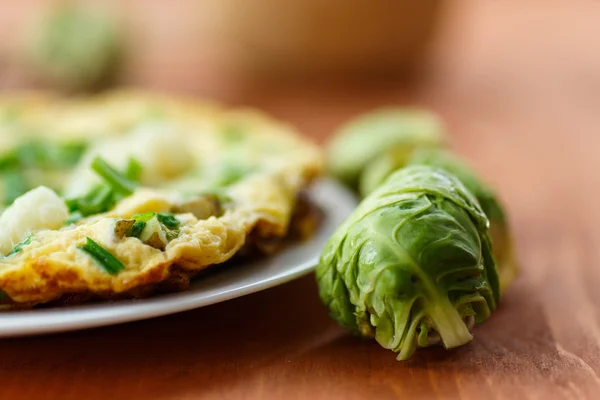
{"x": 134, "y": 170}
{"x": 168, "y": 220}
{"x": 41, "y": 154}
{"x": 9, "y": 160}
{"x": 136, "y": 229}
{"x": 115, "y": 179}
{"x": 103, "y": 257}
{"x": 98, "y": 200}
{"x": 145, "y": 217}
{"x": 65, "y": 155}
{"x": 103, "y": 197}
{"x": 20, "y": 245}
{"x": 14, "y": 186}
{"x": 3, "y": 296}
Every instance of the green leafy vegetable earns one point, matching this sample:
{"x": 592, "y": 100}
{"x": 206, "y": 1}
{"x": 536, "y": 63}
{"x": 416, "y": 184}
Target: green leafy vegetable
{"x": 3, "y": 296}
{"x": 500, "y": 234}
{"x": 103, "y": 257}
{"x": 364, "y": 138}
{"x": 412, "y": 266}
{"x": 20, "y": 245}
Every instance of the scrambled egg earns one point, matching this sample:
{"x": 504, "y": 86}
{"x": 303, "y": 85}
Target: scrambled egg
{"x": 253, "y": 166}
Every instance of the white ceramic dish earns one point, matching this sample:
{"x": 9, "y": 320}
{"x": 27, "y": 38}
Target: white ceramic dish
{"x": 220, "y": 285}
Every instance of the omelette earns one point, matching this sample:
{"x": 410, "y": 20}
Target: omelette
{"x": 128, "y": 194}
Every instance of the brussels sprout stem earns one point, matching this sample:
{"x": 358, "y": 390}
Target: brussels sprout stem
{"x": 448, "y": 323}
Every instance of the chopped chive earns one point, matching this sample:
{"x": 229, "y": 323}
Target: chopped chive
{"x": 136, "y": 229}
{"x": 117, "y": 181}
{"x": 3, "y": 296}
{"x": 20, "y": 245}
{"x": 168, "y": 220}
{"x": 145, "y": 217}
{"x": 103, "y": 257}
{"x": 98, "y": 200}
{"x": 40, "y": 154}
{"x": 133, "y": 170}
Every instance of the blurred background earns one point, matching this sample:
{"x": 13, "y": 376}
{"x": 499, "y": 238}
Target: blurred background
{"x": 504, "y": 74}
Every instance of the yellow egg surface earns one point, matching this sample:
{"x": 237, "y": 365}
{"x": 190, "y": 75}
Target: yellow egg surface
{"x": 217, "y": 175}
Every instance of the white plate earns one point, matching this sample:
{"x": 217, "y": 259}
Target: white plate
{"x": 220, "y": 285}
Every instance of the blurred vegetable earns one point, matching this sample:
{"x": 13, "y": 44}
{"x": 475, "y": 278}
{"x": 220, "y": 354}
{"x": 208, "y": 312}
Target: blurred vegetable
{"x": 363, "y": 139}
{"x": 32, "y": 162}
{"x": 412, "y": 266}
{"x": 77, "y": 47}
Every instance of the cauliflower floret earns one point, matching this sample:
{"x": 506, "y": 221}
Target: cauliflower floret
{"x": 38, "y": 209}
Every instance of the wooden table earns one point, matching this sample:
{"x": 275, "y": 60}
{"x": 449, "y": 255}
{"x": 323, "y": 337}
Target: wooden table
{"x": 519, "y": 86}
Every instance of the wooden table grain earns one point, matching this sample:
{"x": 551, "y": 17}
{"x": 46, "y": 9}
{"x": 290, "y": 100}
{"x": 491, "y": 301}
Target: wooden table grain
{"x": 519, "y": 86}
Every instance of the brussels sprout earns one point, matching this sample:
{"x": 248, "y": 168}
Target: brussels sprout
{"x": 76, "y": 47}
{"x": 363, "y": 139}
{"x": 499, "y": 233}
{"x": 412, "y": 266}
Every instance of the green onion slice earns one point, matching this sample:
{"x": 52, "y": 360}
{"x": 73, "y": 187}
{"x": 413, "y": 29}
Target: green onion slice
{"x": 20, "y": 245}
{"x": 136, "y": 229}
{"x": 117, "y": 181}
{"x": 103, "y": 257}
